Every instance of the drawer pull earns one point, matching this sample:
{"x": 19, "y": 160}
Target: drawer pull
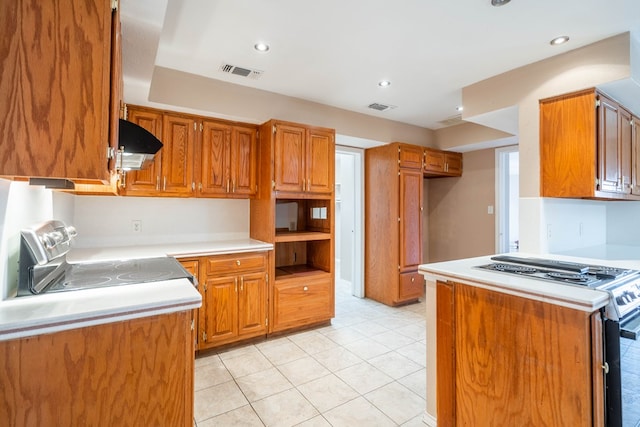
{"x": 237, "y": 262}
{"x": 413, "y": 279}
{"x": 306, "y": 288}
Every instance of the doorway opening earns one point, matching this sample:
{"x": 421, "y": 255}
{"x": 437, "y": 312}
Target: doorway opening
{"x": 349, "y": 238}
{"x": 507, "y": 199}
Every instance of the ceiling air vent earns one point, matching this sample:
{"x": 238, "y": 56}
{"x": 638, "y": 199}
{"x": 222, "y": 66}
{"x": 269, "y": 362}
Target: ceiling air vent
{"x": 240, "y": 71}
{"x": 380, "y": 107}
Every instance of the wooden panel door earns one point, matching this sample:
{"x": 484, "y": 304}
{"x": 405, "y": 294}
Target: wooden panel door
{"x": 625, "y": 143}
{"x": 146, "y": 181}
{"x": 635, "y": 153}
{"x": 410, "y": 219}
{"x": 289, "y": 158}
{"x": 219, "y": 312}
{"x": 320, "y": 161}
{"x": 608, "y": 146}
{"x": 252, "y": 304}
{"x": 178, "y": 155}
{"x": 214, "y": 159}
{"x": 244, "y": 160}
{"x": 55, "y": 81}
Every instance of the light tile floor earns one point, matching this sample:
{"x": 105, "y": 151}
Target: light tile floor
{"x": 366, "y": 369}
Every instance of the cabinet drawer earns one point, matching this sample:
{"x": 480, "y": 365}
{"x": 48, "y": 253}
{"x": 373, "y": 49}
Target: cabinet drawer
{"x": 302, "y": 302}
{"x": 236, "y": 263}
{"x": 411, "y": 286}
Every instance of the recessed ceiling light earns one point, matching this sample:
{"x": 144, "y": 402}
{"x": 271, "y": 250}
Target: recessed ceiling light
{"x": 261, "y": 47}
{"x": 499, "y": 2}
{"x": 559, "y": 40}
{"x": 384, "y": 83}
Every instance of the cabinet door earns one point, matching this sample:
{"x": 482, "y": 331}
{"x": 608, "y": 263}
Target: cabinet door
{"x": 635, "y": 153}
{"x": 178, "y": 154}
{"x": 252, "y": 304}
{"x": 434, "y": 161}
{"x": 625, "y": 142}
{"x": 320, "y": 161}
{"x": 146, "y": 181}
{"x": 55, "y": 79}
{"x": 219, "y": 312}
{"x": 410, "y": 220}
{"x": 453, "y": 163}
{"x": 411, "y": 286}
{"x": 608, "y": 147}
{"x": 410, "y": 156}
{"x": 214, "y": 159}
{"x": 244, "y": 159}
{"x": 289, "y": 158}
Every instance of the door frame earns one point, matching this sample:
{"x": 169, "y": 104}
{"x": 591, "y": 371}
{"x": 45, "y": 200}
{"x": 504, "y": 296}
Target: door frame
{"x": 502, "y": 211}
{"x": 357, "y": 283}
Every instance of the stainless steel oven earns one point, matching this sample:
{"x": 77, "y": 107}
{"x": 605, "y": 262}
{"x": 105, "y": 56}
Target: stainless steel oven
{"x": 621, "y": 324}
{"x": 43, "y": 267}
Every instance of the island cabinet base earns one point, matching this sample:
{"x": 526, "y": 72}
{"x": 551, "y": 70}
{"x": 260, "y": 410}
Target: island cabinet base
{"x": 133, "y": 373}
{"x": 507, "y": 360}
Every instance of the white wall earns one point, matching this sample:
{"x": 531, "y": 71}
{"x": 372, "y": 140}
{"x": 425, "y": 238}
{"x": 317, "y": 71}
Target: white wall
{"x": 623, "y": 223}
{"x": 107, "y": 221}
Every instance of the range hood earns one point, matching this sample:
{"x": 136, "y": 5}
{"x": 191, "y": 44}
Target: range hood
{"x": 137, "y": 147}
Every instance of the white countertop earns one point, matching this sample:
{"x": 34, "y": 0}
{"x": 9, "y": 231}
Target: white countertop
{"x": 571, "y": 296}
{"x": 39, "y": 314}
{"x": 177, "y": 250}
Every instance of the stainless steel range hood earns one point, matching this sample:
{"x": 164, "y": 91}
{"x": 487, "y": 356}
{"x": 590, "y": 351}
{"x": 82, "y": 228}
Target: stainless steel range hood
{"x": 137, "y": 147}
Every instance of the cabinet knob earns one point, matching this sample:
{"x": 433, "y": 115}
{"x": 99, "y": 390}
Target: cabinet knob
{"x": 237, "y": 262}
{"x": 306, "y": 288}
{"x": 413, "y": 279}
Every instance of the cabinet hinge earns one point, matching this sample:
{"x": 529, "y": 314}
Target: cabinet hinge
{"x": 266, "y": 321}
{"x": 205, "y": 287}
{"x": 266, "y": 278}
{"x": 597, "y": 103}
{"x": 273, "y": 185}
{"x": 195, "y": 127}
{"x": 597, "y": 182}
{"x": 125, "y": 111}
{"x": 274, "y": 129}
{"x": 204, "y": 336}
{"x": 398, "y": 219}
{"x": 114, "y": 5}
{"x": 193, "y": 324}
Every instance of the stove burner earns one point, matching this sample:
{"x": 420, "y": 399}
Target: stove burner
{"x": 85, "y": 281}
{"x": 144, "y": 276}
{"x": 514, "y": 268}
{"x": 573, "y": 277}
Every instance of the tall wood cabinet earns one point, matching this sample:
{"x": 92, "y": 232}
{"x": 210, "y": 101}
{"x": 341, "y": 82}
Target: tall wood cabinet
{"x": 60, "y": 85}
{"x": 296, "y": 214}
{"x": 393, "y": 223}
{"x": 587, "y": 147}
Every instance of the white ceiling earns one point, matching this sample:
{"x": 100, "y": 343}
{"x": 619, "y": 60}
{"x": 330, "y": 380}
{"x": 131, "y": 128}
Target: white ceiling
{"x": 335, "y": 52}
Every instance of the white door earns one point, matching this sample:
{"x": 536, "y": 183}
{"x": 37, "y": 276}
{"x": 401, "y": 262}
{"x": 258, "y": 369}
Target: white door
{"x": 507, "y": 199}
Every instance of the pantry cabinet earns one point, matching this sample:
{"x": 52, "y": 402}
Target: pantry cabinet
{"x": 60, "y": 85}
{"x": 296, "y": 214}
{"x": 393, "y": 215}
{"x": 586, "y": 147}
{"x": 234, "y": 298}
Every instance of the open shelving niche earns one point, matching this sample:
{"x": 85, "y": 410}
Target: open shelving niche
{"x": 302, "y": 238}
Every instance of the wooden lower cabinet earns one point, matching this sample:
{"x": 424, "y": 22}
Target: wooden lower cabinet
{"x": 234, "y": 298}
{"x": 508, "y": 360}
{"x": 299, "y": 302}
{"x": 137, "y": 372}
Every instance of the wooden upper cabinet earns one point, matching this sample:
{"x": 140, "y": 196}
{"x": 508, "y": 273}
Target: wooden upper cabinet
{"x": 410, "y": 156}
{"x": 227, "y": 160}
{"x": 177, "y": 155}
{"x": 442, "y": 163}
{"x": 56, "y": 83}
{"x": 586, "y": 148}
{"x": 289, "y": 157}
{"x": 244, "y": 160}
{"x": 635, "y": 155}
{"x": 304, "y": 158}
{"x": 320, "y": 160}
{"x": 146, "y": 181}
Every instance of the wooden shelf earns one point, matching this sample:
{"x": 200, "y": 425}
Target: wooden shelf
{"x": 295, "y": 271}
{"x": 301, "y": 236}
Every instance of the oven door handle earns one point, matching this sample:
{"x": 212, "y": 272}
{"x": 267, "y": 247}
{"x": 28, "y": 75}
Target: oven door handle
{"x": 630, "y": 328}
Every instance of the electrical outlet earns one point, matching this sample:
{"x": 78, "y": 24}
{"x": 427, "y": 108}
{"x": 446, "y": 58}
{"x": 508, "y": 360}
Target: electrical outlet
{"x": 136, "y": 225}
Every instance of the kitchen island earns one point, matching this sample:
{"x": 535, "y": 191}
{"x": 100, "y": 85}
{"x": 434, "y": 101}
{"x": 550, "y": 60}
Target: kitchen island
{"x": 509, "y": 350}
